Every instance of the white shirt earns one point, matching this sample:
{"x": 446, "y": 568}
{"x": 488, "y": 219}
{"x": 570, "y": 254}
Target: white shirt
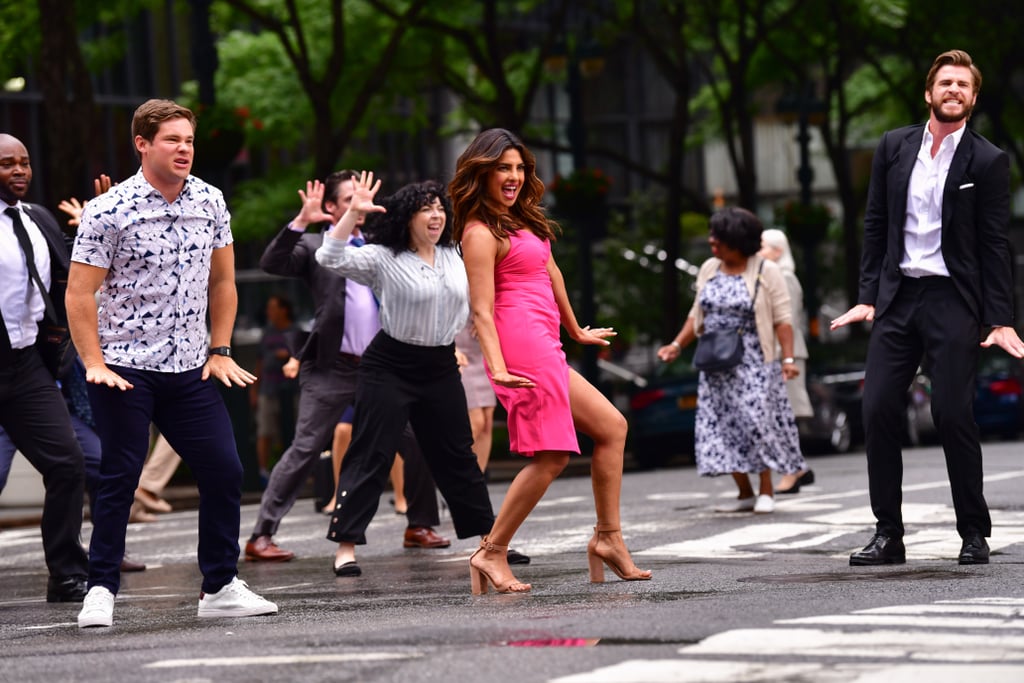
{"x": 419, "y": 304}
{"x": 20, "y": 301}
{"x": 922, "y": 232}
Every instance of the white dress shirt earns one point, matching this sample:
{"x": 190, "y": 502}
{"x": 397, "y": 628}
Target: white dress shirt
{"x": 922, "y": 232}
{"x": 20, "y": 301}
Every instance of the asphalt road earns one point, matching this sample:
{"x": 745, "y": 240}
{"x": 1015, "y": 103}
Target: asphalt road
{"x": 734, "y": 597}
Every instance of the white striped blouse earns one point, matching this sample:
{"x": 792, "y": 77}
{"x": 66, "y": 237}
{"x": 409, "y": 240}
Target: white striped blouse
{"x": 419, "y": 304}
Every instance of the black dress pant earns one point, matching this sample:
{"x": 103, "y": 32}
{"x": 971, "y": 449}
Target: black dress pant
{"x": 35, "y": 417}
{"x": 927, "y": 320}
{"x": 421, "y": 385}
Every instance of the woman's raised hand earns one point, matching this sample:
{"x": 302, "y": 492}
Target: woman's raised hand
{"x": 366, "y": 190}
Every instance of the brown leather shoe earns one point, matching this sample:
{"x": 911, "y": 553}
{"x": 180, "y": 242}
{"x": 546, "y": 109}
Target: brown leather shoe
{"x": 424, "y": 537}
{"x": 263, "y": 549}
{"x": 128, "y": 565}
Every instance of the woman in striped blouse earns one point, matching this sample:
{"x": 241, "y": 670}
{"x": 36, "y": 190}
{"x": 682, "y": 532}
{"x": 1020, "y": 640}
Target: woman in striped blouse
{"x": 409, "y": 372}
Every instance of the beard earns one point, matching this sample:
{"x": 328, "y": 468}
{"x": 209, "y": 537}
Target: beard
{"x": 942, "y": 117}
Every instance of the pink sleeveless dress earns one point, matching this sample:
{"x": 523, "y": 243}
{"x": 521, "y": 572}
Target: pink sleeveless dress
{"x": 526, "y": 317}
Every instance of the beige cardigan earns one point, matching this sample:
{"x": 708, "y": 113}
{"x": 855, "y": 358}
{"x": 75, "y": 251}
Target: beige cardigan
{"x": 771, "y": 308}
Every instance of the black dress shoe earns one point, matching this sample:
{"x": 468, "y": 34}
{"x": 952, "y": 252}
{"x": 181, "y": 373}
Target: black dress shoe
{"x": 348, "y": 569}
{"x": 66, "y": 589}
{"x": 806, "y": 479}
{"x": 881, "y": 550}
{"x": 516, "y": 557}
{"x": 974, "y": 550}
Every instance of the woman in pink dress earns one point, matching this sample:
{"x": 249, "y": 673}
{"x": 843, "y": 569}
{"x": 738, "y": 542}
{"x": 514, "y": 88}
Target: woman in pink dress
{"x": 518, "y": 298}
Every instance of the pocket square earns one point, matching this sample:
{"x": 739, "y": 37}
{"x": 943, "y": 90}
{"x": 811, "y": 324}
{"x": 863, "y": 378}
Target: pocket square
{"x": 966, "y": 185}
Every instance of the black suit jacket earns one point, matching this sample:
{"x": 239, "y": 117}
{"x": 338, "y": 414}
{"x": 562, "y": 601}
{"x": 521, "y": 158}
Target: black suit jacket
{"x": 60, "y": 249}
{"x": 975, "y": 221}
{"x": 293, "y": 254}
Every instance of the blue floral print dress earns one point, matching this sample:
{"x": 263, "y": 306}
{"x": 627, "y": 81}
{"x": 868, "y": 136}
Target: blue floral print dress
{"x": 744, "y": 419}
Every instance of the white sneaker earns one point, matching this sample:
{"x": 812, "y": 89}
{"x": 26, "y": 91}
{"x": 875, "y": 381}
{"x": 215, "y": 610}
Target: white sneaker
{"x": 234, "y": 600}
{"x": 97, "y": 608}
{"x": 764, "y": 505}
{"x": 738, "y": 505}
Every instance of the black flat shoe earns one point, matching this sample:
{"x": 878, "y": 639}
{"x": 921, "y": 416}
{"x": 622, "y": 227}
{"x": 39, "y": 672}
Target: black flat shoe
{"x": 974, "y": 550}
{"x": 348, "y": 569}
{"x": 880, "y": 550}
{"x": 516, "y": 557}
{"x": 795, "y": 488}
{"x": 806, "y": 479}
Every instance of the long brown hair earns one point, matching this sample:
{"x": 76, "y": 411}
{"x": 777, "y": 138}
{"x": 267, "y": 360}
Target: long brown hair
{"x": 468, "y": 190}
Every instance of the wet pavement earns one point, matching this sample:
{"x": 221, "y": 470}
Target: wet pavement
{"x": 411, "y": 616}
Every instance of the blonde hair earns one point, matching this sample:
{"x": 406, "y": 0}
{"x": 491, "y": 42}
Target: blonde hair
{"x": 777, "y": 238}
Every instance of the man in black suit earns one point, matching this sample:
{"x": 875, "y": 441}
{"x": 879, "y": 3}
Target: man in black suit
{"x": 33, "y": 276}
{"x": 935, "y": 274}
{"x": 327, "y": 375}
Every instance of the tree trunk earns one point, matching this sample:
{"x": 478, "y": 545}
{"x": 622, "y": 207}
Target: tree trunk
{"x": 67, "y": 103}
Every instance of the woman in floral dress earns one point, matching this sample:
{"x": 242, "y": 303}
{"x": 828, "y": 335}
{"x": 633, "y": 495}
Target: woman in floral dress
{"x": 745, "y": 423}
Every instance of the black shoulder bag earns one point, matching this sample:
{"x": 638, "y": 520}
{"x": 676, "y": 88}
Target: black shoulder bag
{"x": 720, "y": 350}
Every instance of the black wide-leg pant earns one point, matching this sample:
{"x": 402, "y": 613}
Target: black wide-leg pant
{"x": 421, "y": 385}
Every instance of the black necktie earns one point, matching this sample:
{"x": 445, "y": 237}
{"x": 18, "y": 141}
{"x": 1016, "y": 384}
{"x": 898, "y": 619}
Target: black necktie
{"x": 30, "y": 259}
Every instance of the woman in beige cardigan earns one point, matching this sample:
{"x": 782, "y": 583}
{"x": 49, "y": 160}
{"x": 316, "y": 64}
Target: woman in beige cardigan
{"x": 745, "y": 423}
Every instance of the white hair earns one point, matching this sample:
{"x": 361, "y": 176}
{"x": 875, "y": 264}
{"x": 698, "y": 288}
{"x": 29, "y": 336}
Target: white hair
{"x": 777, "y": 238}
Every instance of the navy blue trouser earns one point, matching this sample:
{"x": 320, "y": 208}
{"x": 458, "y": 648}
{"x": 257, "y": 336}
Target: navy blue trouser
{"x": 191, "y": 414}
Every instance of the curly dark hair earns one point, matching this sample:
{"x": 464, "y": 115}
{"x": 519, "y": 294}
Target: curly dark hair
{"x": 391, "y": 229}
{"x": 737, "y": 229}
{"x": 468, "y": 189}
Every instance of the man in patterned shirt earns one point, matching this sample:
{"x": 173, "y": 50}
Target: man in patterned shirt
{"x": 158, "y": 249}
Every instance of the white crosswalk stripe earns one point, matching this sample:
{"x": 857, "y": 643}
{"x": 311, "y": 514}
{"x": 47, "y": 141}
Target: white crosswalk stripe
{"x": 947, "y": 641}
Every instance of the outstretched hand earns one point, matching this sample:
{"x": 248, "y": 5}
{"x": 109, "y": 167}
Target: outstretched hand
{"x": 859, "y": 313}
{"x": 73, "y": 208}
{"x": 597, "y": 336}
{"x": 1005, "y": 338}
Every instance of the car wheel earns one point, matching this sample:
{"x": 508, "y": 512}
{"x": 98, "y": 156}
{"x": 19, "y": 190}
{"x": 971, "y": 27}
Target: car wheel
{"x": 841, "y": 436}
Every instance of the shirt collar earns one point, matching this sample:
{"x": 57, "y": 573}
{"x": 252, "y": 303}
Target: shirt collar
{"x": 953, "y": 139}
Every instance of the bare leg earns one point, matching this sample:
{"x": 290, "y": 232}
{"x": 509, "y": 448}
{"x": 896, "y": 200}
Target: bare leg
{"x": 398, "y": 484}
{"x": 766, "y": 483}
{"x": 342, "y": 438}
{"x": 346, "y": 553}
{"x": 523, "y": 495}
{"x": 743, "y": 483}
{"x": 596, "y": 417}
{"x": 482, "y": 422}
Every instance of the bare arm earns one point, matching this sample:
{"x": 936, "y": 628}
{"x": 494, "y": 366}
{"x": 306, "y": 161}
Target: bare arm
{"x": 669, "y": 352}
{"x": 223, "y": 307}
{"x": 480, "y": 253}
{"x": 80, "y": 299}
{"x": 784, "y": 332}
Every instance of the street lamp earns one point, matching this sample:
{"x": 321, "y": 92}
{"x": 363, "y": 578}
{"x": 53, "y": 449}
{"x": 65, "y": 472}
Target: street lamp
{"x": 803, "y": 106}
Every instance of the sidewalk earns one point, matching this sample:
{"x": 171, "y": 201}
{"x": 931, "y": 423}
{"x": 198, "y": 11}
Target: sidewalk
{"x": 187, "y": 498}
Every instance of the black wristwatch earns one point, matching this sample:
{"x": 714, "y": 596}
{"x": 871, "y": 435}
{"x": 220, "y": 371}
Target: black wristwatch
{"x": 221, "y": 351}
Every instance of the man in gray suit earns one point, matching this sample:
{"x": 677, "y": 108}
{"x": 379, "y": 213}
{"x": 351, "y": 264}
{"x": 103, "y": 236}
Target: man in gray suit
{"x": 935, "y": 274}
{"x": 345, "y": 322}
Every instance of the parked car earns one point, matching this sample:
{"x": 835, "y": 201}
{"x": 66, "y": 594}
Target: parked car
{"x": 998, "y": 400}
{"x": 663, "y": 414}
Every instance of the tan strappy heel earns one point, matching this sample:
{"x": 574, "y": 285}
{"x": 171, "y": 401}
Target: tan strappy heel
{"x": 598, "y": 560}
{"x": 479, "y": 578}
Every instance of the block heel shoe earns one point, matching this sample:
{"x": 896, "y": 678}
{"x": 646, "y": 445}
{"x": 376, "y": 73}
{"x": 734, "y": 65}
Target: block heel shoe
{"x": 480, "y": 577}
{"x": 623, "y": 568}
